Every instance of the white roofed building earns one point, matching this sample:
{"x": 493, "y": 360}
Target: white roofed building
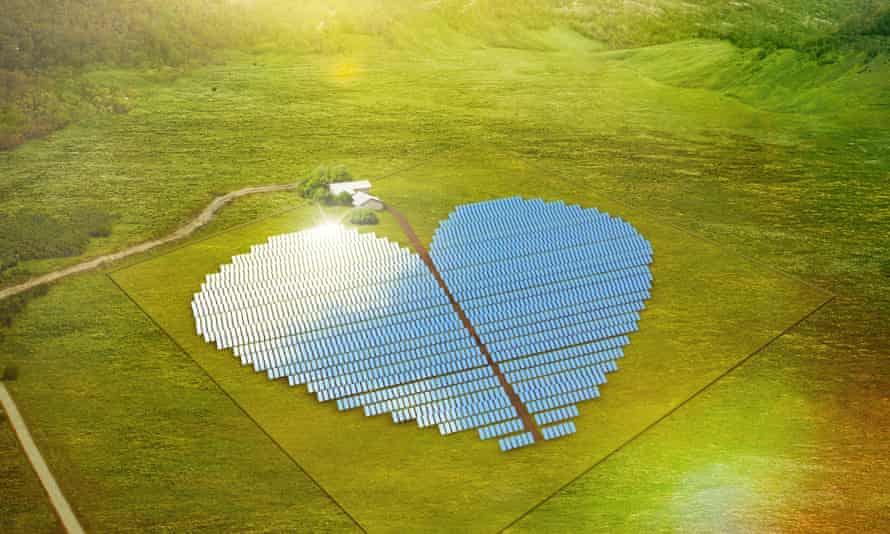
{"x": 364, "y": 200}
{"x": 361, "y": 198}
{"x": 361, "y": 186}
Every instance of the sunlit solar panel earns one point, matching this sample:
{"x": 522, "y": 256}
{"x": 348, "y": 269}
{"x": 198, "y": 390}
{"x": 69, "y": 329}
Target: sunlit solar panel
{"x": 551, "y": 290}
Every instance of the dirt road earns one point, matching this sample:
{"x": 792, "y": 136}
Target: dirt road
{"x": 527, "y": 421}
{"x": 203, "y": 218}
{"x": 56, "y": 498}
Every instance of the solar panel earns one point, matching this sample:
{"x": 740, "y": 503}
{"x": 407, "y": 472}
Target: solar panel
{"x": 551, "y": 290}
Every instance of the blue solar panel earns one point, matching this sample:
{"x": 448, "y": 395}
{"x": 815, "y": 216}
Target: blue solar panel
{"x": 552, "y": 290}
{"x": 500, "y": 429}
{"x": 559, "y": 414}
{"x": 558, "y": 431}
{"x": 516, "y": 441}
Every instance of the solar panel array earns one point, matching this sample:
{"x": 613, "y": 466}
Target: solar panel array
{"x": 358, "y": 320}
{"x": 552, "y": 290}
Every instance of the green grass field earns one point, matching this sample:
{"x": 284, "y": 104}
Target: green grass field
{"x": 24, "y": 507}
{"x": 696, "y": 327}
{"x": 716, "y": 156}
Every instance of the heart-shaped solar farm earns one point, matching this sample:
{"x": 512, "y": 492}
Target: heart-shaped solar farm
{"x": 531, "y": 309}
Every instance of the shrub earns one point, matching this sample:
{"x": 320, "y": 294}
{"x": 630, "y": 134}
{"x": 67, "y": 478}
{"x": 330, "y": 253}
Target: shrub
{"x": 10, "y": 373}
{"x": 340, "y": 173}
{"x": 322, "y": 196}
{"x": 10, "y": 306}
{"x": 30, "y": 235}
{"x": 363, "y": 216}
{"x": 344, "y": 199}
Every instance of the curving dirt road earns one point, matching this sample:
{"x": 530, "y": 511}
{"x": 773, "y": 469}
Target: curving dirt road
{"x": 203, "y": 218}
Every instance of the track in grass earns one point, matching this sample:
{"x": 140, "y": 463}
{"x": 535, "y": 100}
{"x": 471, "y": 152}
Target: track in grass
{"x": 184, "y": 231}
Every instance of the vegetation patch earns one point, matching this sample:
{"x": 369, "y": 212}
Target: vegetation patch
{"x": 10, "y": 306}
{"x": 363, "y": 217}
{"x": 315, "y": 187}
{"x": 29, "y": 235}
{"x": 10, "y": 373}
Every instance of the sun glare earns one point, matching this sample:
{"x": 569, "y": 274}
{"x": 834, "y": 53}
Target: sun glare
{"x": 328, "y": 228}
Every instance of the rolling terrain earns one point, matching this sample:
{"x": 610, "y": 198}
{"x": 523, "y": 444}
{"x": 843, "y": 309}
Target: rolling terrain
{"x": 765, "y": 153}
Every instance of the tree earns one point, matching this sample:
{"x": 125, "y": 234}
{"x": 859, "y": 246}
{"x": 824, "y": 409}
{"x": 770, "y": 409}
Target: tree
{"x": 320, "y": 178}
{"x": 343, "y": 199}
{"x": 340, "y": 173}
{"x": 363, "y": 216}
{"x": 321, "y": 195}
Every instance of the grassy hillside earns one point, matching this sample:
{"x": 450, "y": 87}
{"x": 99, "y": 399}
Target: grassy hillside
{"x": 767, "y": 24}
{"x": 45, "y": 48}
{"x": 849, "y": 91}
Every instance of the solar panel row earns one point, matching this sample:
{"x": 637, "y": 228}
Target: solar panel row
{"x": 607, "y": 237}
{"x": 365, "y": 325}
{"x": 500, "y": 429}
{"x": 597, "y": 351}
{"x": 429, "y": 396}
{"x": 475, "y": 421}
{"x": 486, "y": 215}
{"x": 514, "y": 442}
{"x": 559, "y": 414}
{"x": 413, "y": 388}
{"x": 558, "y": 431}
{"x": 553, "y": 291}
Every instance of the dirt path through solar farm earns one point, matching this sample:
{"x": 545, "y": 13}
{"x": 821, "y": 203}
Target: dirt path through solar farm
{"x": 186, "y": 230}
{"x": 528, "y": 422}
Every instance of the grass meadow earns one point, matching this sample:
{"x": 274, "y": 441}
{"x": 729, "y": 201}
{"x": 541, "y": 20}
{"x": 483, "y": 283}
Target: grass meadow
{"x": 709, "y": 310}
{"x": 760, "y": 182}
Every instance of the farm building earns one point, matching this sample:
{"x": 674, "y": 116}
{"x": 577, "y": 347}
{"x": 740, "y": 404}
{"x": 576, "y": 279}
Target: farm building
{"x": 362, "y": 186}
{"x": 364, "y": 200}
{"x": 359, "y": 191}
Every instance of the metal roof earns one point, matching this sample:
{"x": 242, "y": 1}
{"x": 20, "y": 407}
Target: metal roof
{"x": 360, "y": 199}
{"x": 349, "y": 187}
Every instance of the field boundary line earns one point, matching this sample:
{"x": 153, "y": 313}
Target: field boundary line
{"x": 236, "y": 403}
{"x": 671, "y": 412}
{"x": 60, "y": 504}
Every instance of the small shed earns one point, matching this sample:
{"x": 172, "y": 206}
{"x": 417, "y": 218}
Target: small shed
{"x": 366, "y": 201}
{"x": 361, "y": 186}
